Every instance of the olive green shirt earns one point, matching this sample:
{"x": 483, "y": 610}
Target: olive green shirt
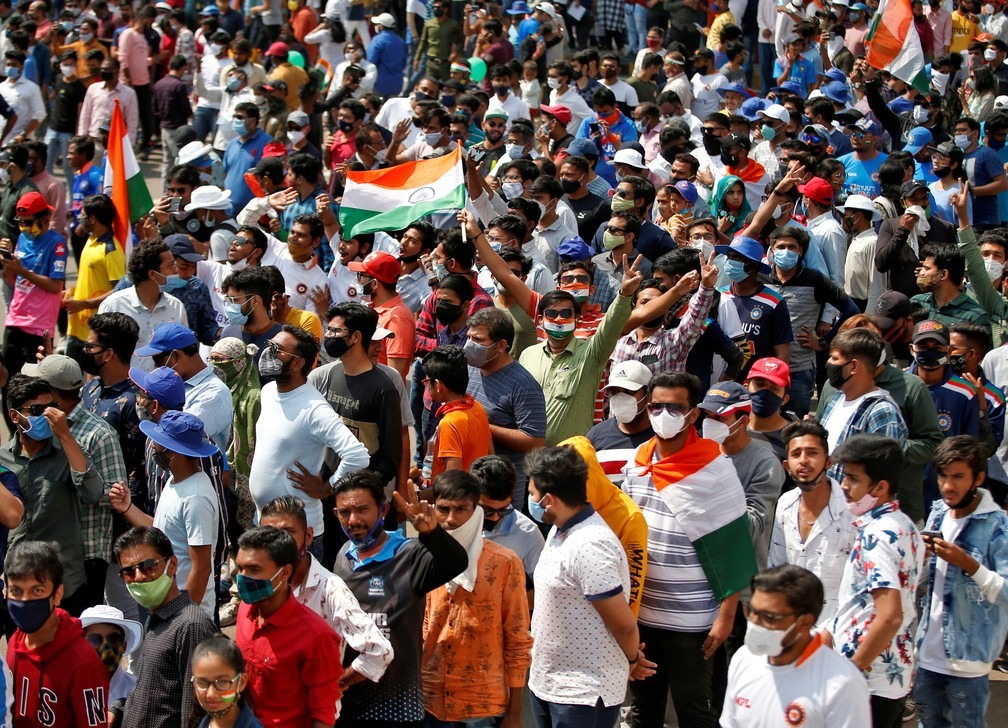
{"x": 438, "y": 39}
{"x": 992, "y": 301}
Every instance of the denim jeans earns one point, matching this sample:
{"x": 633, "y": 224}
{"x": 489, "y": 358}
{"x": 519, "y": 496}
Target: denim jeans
{"x": 562, "y": 715}
{"x": 636, "y": 22}
{"x": 205, "y": 122}
{"x": 56, "y": 149}
{"x": 767, "y": 56}
{"x": 943, "y": 700}
{"x": 800, "y": 393}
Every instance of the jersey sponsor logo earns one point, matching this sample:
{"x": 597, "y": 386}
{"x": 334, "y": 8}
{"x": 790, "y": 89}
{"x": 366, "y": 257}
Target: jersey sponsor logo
{"x": 742, "y": 702}
{"x": 376, "y": 587}
{"x": 352, "y": 291}
{"x": 301, "y": 288}
{"x": 794, "y": 714}
{"x": 192, "y": 225}
{"x": 58, "y": 266}
{"x": 757, "y": 313}
{"x": 60, "y": 249}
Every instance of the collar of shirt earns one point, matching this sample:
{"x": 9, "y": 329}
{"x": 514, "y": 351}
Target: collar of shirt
{"x": 76, "y": 413}
{"x": 571, "y": 350}
{"x": 583, "y": 515}
{"x": 14, "y": 447}
{"x": 199, "y": 377}
{"x": 169, "y": 610}
{"x": 116, "y": 389}
{"x": 285, "y": 616}
{"x": 314, "y": 577}
{"x": 134, "y": 300}
{"x": 507, "y": 523}
{"x": 392, "y": 545}
{"x": 826, "y": 216}
{"x": 876, "y": 513}
{"x": 865, "y": 234}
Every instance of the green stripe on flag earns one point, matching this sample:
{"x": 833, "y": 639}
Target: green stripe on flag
{"x": 140, "y": 202}
{"x": 357, "y": 221}
{"x": 727, "y": 557}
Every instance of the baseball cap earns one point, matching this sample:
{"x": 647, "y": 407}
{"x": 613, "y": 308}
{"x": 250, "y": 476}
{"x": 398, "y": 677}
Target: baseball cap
{"x": 772, "y": 369}
{"x": 725, "y": 397}
{"x": 56, "y": 370}
{"x": 776, "y": 112}
{"x": 811, "y": 131}
{"x": 583, "y": 148}
{"x": 736, "y": 140}
{"x": 917, "y": 138}
{"x": 890, "y": 306}
{"x": 163, "y": 385}
{"x": 848, "y": 116}
{"x": 32, "y": 203}
{"x": 518, "y": 7}
{"x": 629, "y": 157}
{"x": 931, "y": 330}
{"x": 270, "y": 167}
{"x": 790, "y": 87}
{"x": 948, "y": 149}
{"x": 835, "y": 74}
{"x": 559, "y": 112}
{"x": 703, "y": 53}
{"x": 912, "y": 186}
{"x": 686, "y": 189}
{"x": 753, "y": 107}
{"x": 818, "y": 190}
{"x": 630, "y": 374}
{"x": 279, "y": 48}
{"x": 574, "y": 248}
{"x": 495, "y": 115}
{"x": 181, "y": 246}
{"x": 385, "y": 20}
{"x": 380, "y": 266}
{"x": 298, "y": 117}
{"x": 747, "y": 247}
{"x": 167, "y": 337}
{"x": 866, "y": 125}
{"x": 381, "y": 332}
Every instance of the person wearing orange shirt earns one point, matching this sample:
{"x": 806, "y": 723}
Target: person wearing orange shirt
{"x": 377, "y": 276}
{"x": 303, "y": 20}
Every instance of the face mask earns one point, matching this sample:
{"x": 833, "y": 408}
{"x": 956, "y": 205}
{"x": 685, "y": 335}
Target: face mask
{"x": 920, "y": 114}
{"x": 715, "y": 430}
{"x": 711, "y": 145}
{"x": 336, "y": 346}
{"x": 433, "y": 138}
{"x": 234, "y": 84}
{"x": 38, "y": 428}
{"x": 995, "y": 144}
{"x": 348, "y": 57}
{"x": 216, "y": 49}
{"x": 419, "y": 96}
{"x": 621, "y": 204}
{"x": 862, "y": 505}
{"x": 515, "y": 151}
{"x": 175, "y": 281}
{"x": 12, "y": 73}
{"x": 962, "y": 141}
{"x": 68, "y": 70}
{"x": 107, "y": 75}
{"x": 537, "y": 510}
{"x": 580, "y": 291}
{"x": 86, "y": 37}
{"x": 928, "y": 282}
{"x": 296, "y": 137}
{"x": 957, "y": 362}
{"x": 765, "y": 403}
{"x": 447, "y": 313}
{"x": 151, "y": 594}
{"x": 729, "y": 160}
{"x": 501, "y": 91}
{"x": 270, "y": 364}
{"x": 559, "y": 329}
{"x": 654, "y": 43}
{"x": 834, "y": 373}
{"x": 234, "y": 310}
{"x": 641, "y": 127}
{"x": 611, "y": 241}
{"x": 994, "y": 269}
{"x": 363, "y": 544}
{"x": 966, "y": 500}
{"x": 930, "y": 359}
{"x": 144, "y": 416}
{"x": 941, "y": 172}
{"x": 111, "y": 656}
{"x": 440, "y": 271}
{"x": 554, "y": 82}
{"x": 4, "y": 176}
{"x": 238, "y": 127}
{"x": 785, "y": 259}
{"x": 205, "y": 177}
{"x": 512, "y": 190}
{"x": 570, "y": 186}
{"x": 735, "y": 270}
{"x": 478, "y": 355}
{"x": 30, "y": 614}
{"x": 988, "y": 10}
{"x": 624, "y": 407}
{"x": 765, "y": 642}
{"x": 252, "y": 590}
{"x": 768, "y": 132}
{"x": 667, "y": 425}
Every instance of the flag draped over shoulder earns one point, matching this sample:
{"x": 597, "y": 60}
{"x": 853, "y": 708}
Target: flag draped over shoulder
{"x": 697, "y": 485}
{"x": 894, "y": 45}
{"x": 124, "y": 181}
{"x": 391, "y": 199}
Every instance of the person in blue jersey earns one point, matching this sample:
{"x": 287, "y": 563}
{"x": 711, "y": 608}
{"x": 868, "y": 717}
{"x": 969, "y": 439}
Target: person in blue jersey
{"x": 985, "y": 171}
{"x": 862, "y": 165}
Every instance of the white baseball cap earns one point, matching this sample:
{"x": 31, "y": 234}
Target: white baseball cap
{"x": 386, "y": 20}
{"x": 776, "y": 111}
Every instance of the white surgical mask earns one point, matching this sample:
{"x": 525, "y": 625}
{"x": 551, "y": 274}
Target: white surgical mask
{"x": 765, "y": 642}
{"x": 296, "y": 137}
{"x": 624, "y": 407}
{"x": 994, "y": 269}
{"x": 715, "y": 430}
{"x": 216, "y": 48}
{"x": 68, "y": 70}
{"x": 667, "y": 425}
{"x": 921, "y": 114}
{"x": 990, "y": 54}
{"x": 512, "y": 190}
{"x": 514, "y": 151}
{"x": 553, "y": 82}
{"x": 962, "y": 141}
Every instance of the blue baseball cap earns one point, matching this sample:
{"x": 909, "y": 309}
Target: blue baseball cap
{"x": 181, "y": 246}
{"x": 790, "y": 87}
{"x": 834, "y": 74}
{"x": 686, "y": 189}
{"x": 167, "y": 337}
{"x": 163, "y": 385}
{"x": 574, "y": 248}
{"x": 726, "y": 397}
{"x": 210, "y": 10}
{"x": 837, "y": 92}
{"x": 866, "y": 125}
{"x": 917, "y": 138}
{"x": 735, "y": 87}
{"x": 583, "y": 148}
{"x": 860, "y": 6}
{"x": 748, "y": 248}
{"x": 752, "y": 106}
{"x": 518, "y": 7}
{"x": 179, "y": 432}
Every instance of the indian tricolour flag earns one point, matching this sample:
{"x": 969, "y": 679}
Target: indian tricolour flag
{"x": 391, "y": 199}
{"x": 702, "y": 489}
{"x": 124, "y": 181}
{"x": 894, "y": 45}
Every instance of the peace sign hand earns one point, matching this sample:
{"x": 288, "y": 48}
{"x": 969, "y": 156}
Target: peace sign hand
{"x": 632, "y": 278}
{"x": 708, "y": 272}
{"x": 420, "y": 514}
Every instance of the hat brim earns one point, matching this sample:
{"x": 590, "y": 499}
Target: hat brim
{"x": 628, "y": 384}
{"x": 876, "y": 215}
{"x": 155, "y": 433}
{"x": 189, "y": 257}
{"x": 725, "y": 249}
{"x": 133, "y": 630}
{"x": 932, "y": 336}
{"x": 146, "y": 350}
{"x": 773, "y": 380}
{"x": 357, "y": 266}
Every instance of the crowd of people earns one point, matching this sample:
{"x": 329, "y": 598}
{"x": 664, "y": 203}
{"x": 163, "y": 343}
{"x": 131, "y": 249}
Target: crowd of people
{"x": 701, "y": 392}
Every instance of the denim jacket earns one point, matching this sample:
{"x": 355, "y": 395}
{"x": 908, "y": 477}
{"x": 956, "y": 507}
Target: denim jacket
{"x": 975, "y": 608}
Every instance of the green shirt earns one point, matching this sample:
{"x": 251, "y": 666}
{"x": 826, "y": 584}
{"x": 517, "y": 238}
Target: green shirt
{"x": 438, "y": 39}
{"x": 570, "y": 379}
{"x": 960, "y": 308}
{"x": 992, "y": 300}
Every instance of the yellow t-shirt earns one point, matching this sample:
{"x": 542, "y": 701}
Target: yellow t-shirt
{"x": 964, "y": 31}
{"x": 102, "y": 264}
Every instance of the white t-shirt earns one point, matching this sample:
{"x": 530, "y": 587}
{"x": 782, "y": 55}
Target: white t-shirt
{"x": 839, "y": 416}
{"x": 624, "y": 92}
{"x": 187, "y": 512}
{"x": 299, "y": 278}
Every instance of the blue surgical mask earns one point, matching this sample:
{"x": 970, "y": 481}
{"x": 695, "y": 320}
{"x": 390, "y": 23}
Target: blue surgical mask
{"x": 641, "y": 127}
{"x": 514, "y": 151}
{"x": 785, "y": 259}
{"x": 12, "y": 73}
{"x": 536, "y": 510}
{"x": 768, "y": 132}
{"x": 238, "y": 126}
{"x": 235, "y": 314}
{"x": 735, "y": 270}
{"x": 38, "y": 429}
{"x": 234, "y": 84}
{"x": 174, "y": 283}
{"x": 512, "y": 190}
{"x": 432, "y": 138}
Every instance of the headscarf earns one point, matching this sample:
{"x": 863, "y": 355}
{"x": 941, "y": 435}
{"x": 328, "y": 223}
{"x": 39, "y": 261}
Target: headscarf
{"x": 716, "y": 203}
{"x": 240, "y": 375}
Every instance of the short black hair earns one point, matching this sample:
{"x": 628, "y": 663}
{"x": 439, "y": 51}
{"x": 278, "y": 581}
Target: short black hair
{"x": 947, "y": 256}
{"x": 459, "y": 284}
{"x": 498, "y": 323}
{"x": 800, "y": 587}
{"x": 428, "y": 233}
{"x": 144, "y": 536}
{"x": 805, "y": 428}
{"x": 315, "y": 225}
{"x": 357, "y": 317}
{"x": 511, "y": 224}
{"x": 101, "y": 208}
{"x": 678, "y": 262}
{"x": 305, "y": 165}
{"x": 603, "y": 97}
{"x": 361, "y": 480}
{"x": 863, "y": 344}
{"x": 116, "y": 331}
{"x": 85, "y": 145}
{"x": 978, "y": 336}
{"x": 222, "y": 646}
{"x": 960, "y": 447}
{"x": 456, "y": 485}
{"x": 677, "y": 380}
{"x": 39, "y": 559}
{"x": 448, "y": 365}
{"x": 455, "y": 248}
{"x": 278, "y": 544}
{"x": 249, "y": 282}
{"x": 185, "y": 174}
{"x": 286, "y": 505}
{"x": 22, "y": 388}
{"x": 306, "y": 346}
{"x": 496, "y": 476}
{"x": 146, "y": 257}
{"x": 560, "y": 472}
{"x": 880, "y": 456}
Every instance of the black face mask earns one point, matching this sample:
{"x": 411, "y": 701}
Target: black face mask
{"x": 966, "y": 499}
{"x": 336, "y": 346}
{"x": 569, "y": 185}
{"x": 447, "y": 313}
{"x": 409, "y": 258}
{"x": 420, "y": 96}
{"x": 711, "y": 144}
{"x": 930, "y": 359}
{"x": 834, "y": 372}
{"x": 87, "y": 363}
{"x": 941, "y": 171}
{"x": 765, "y": 403}
{"x": 107, "y": 75}
{"x": 729, "y": 160}
{"x": 417, "y": 122}
{"x": 345, "y": 126}
{"x": 957, "y": 362}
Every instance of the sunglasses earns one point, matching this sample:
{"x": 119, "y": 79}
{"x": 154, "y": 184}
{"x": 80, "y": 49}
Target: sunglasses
{"x": 34, "y": 410}
{"x": 670, "y": 407}
{"x": 554, "y": 314}
{"x": 506, "y": 510}
{"x": 97, "y": 640}
{"x": 612, "y": 229}
{"x": 147, "y": 567}
{"x": 569, "y": 280}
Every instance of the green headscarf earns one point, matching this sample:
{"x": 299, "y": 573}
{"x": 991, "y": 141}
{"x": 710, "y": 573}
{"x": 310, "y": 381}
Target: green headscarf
{"x": 718, "y": 210}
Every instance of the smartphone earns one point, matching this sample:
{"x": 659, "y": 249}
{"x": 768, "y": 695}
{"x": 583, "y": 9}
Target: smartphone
{"x": 594, "y": 127}
{"x": 6, "y": 254}
{"x": 832, "y": 35}
{"x": 175, "y": 204}
{"x": 477, "y": 154}
{"x": 932, "y": 535}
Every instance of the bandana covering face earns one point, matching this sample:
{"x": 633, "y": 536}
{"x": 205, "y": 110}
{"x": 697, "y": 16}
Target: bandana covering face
{"x": 470, "y": 536}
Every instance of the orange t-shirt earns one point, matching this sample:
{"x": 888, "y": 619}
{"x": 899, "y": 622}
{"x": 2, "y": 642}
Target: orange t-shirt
{"x": 463, "y": 432}
{"x": 398, "y": 319}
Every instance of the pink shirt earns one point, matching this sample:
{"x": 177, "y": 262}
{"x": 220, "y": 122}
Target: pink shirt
{"x": 33, "y": 309}
{"x": 55, "y": 193}
{"x": 133, "y": 57}
{"x": 99, "y": 103}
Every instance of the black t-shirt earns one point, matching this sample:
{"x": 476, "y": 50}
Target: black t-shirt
{"x": 590, "y": 212}
{"x": 66, "y": 106}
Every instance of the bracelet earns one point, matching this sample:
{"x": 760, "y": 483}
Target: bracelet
{"x": 123, "y": 513}
{"x": 777, "y": 192}
{"x": 635, "y": 659}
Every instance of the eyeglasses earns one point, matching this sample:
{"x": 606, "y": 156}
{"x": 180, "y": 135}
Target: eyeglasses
{"x": 552, "y": 314}
{"x": 237, "y": 241}
{"x": 96, "y": 640}
{"x": 569, "y": 280}
{"x": 94, "y": 348}
{"x": 505, "y": 511}
{"x": 336, "y": 332}
{"x": 221, "y": 684}
{"x": 27, "y": 222}
{"x": 275, "y": 349}
{"x": 612, "y": 229}
{"x": 234, "y": 299}
{"x": 767, "y": 619}
{"x": 670, "y": 407}
{"x": 147, "y": 567}
{"x": 34, "y": 410}
{"x": 701, "y": 238}
{"x": 512, "y": 178}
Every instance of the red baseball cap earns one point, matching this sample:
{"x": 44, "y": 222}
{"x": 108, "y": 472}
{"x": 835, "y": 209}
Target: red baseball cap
{"x": 32, "y": 203}
{"x": 773, "y": 370}
{"x": 380, "y": 266}
{"x": 560, "y": 113}
{"x": 274, "y": 149}
{"x": 279, "y": 48}
{"x": 818, "y": 190}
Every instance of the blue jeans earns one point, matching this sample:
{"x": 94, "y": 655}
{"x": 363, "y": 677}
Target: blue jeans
{"x": 417, "y": 406}
{"x": 946, "y": 701}
{"x": 636, "y": 22}
{"x": 767, "y": 56}
{"x": 561, "y": 715}
{"x": 800, "y": 393}
{"x": 56, "y": 148}
{"x": 204, "y": 122}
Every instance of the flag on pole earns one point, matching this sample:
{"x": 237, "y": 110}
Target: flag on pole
{"x": 391, "y": 199}
{"x": 124, "y": 182}
{"x": 894, "y": 45}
